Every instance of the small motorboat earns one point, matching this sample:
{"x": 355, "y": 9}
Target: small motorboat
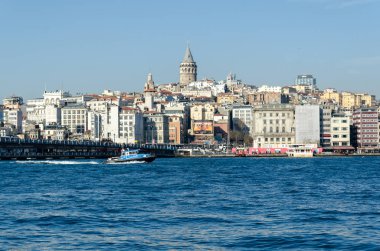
{"x": 134, "y": 155}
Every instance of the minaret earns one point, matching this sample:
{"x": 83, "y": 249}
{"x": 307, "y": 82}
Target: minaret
{"x": 149, "y": 85}
{"x": 149, "y": 90}
{"x": 187, "y": 69}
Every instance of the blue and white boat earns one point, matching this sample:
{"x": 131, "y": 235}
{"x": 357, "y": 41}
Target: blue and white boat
{"x": 134, "y": 155}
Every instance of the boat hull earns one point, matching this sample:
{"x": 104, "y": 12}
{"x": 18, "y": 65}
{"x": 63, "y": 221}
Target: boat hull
{"x": 121, "y": 160}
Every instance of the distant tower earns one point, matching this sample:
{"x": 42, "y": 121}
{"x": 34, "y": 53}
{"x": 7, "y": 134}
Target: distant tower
{"x": 187, "y": 69}
{"x": 149, "y": 90}
{"x": 149, "y": 85}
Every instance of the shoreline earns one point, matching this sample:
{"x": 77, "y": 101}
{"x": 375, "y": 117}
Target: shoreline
{"x": 277, "y": 156}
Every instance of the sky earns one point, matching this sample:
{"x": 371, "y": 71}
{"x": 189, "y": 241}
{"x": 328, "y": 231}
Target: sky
{"x": 87, "y": 46}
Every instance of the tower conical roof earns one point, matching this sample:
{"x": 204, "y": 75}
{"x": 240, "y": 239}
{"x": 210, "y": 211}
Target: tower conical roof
{"x": 188, "y": 57}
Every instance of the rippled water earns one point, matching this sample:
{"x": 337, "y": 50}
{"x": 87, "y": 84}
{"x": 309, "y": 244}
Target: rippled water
{"x": 207, "y": 204}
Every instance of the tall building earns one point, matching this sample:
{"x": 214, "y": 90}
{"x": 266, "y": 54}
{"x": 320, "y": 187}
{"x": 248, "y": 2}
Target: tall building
{"x": 326, "y": 111}
{"x": 305, "y": 84}
{"x": 366, "y": 128}
{"x": 13, "y": 117}
{"x": 307, "y": 119}
{"x": 306, "y": 80}
{"x": 242, "y": 118}
{"x": 74, "y": 117}
{"x": 187, "y": 69}
{"x": 340, "y": 130}
{"x": 156, "y": 127}
{"x": 149, "y": 90}
{"x": 131, "y": 125}
{"x": 176, "y": 135}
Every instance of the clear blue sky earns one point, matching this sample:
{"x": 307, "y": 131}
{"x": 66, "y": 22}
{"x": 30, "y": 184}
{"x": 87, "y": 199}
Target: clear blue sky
{"x": 90, "y": 45}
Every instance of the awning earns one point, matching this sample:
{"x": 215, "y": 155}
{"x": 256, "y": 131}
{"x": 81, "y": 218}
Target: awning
{"x": 339, "y": 148}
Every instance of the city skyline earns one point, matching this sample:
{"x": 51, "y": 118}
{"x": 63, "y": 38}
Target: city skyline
{"x": 94, "y": 45}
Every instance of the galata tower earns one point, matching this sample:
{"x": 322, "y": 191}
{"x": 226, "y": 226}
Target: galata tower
{"x": 187, "y": 69}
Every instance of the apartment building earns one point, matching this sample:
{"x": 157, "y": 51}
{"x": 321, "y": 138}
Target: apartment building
{"x": 273, "y": 125}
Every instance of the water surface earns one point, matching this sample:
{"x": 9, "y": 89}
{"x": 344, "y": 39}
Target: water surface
{"x": 208, "y": 204}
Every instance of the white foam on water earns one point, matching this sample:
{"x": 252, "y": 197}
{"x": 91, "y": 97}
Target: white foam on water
{"x": 58, "y": 162}
{"x": 126, "y": 163}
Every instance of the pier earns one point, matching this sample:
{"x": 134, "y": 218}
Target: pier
{"x": 23, "y": 149}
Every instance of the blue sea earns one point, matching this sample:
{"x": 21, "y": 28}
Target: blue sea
{"x": 191, "y": 204}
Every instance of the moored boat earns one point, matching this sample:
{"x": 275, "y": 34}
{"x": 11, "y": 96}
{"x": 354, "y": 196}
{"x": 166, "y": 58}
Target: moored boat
{"x": 300, "y": 151}
{"x": 134, "y": 155}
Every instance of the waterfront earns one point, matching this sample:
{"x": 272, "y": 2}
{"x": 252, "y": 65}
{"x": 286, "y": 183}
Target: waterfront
{"x": 196, "y": 203}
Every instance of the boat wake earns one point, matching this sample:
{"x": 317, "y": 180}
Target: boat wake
{"x": 126, "y": 163}
{"x": 58, "y": 162}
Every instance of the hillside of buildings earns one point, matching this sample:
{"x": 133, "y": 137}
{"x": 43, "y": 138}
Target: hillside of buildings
{"x": 202, "y": 112}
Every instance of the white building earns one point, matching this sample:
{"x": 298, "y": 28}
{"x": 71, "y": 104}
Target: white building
{"x": 74, "y": 117}
{"x": 307, "y": 119}
{"x": 13, "y": 117}
{"x": 242, "y": 118}
{"x": 102, "y": 103}
{"x": 340, "y": 130}
{"x": 131, "y": 126}
{"x": 35, "y": 110}
{"x": 52, "y": 114}
{"x": 273, "y": 125}
{"x": 94, "y": 124}
{"x": 55, "y": 97}
{"x": 156, "y": 128}
{"x": 266, "y": 88}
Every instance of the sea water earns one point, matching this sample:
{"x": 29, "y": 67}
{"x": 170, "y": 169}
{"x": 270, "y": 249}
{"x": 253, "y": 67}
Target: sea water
{"x": 200, "y": 203}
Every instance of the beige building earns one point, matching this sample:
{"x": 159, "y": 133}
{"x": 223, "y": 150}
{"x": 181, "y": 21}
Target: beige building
{"x": 202, "y": 112}
{"x": 331, "y": 95}
{"x": 260, "y": 98}
{"x": 225, "y": 98}
{"x": 13, "y": 103}
{"x": 181, "y": 110}
{"x": 202, "y": 126}
{"x": 353, "y": 100}
{"x": 273, "y": 125}
{"x": 176, "y": 132}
